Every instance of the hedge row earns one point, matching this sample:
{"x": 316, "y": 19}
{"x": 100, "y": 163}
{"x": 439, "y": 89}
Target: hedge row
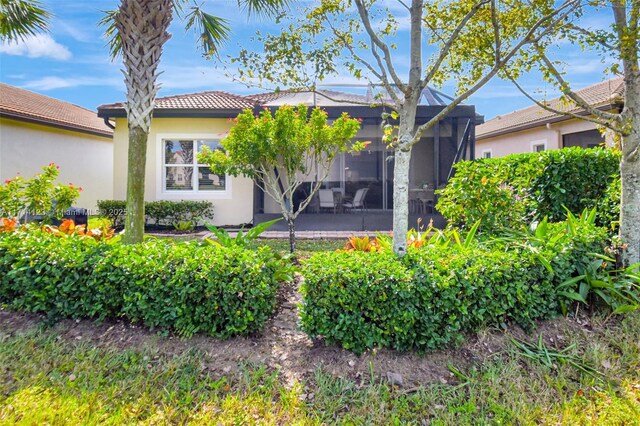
{"x": 436, "y": 293}
{"x": 512, "y": 191}
{"x": 159, "y": 212}
{"x": 188, "y": 287}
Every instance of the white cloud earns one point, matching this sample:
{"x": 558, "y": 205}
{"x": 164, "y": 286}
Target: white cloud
{"x": 37, "y": 46}
{"x": 179, "y": 77}
{"x": 76, "y": 31}
{"x": 51, "y": 82}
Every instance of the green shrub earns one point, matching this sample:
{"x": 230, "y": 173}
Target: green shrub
{"x": 574, "y": 178}
{"x": 509, "y": 192}
{"x": 175, "y": 212}
{"x": 54, "y": 275}
{"x": 114, "y": 210}
{"x": 608, "y": 207}
{"x": 196, "y": 289}
{"x": 188, "y": 287}
{"x": 171, "y": 213}
{"x": 444, "y": 289}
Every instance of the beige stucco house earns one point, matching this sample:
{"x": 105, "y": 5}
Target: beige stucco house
{"x": 536, "y": 129}
{"x": 182, "y": 124}
{"x": 36, "y": 130}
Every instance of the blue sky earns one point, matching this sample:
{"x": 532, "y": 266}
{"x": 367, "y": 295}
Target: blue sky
{"x": 71, "y": 63}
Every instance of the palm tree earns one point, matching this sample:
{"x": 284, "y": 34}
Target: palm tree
{"x": 138, "y": 31}
{"x": 21, "y": 18}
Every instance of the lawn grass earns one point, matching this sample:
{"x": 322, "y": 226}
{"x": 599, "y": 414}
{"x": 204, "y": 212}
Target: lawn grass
{"x": 45, "y": 378}
{"x": 304, "y": 248}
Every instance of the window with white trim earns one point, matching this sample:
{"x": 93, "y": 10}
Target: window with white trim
{"x": 182, "y": 173}
{"x": 538, "y": 146}
{"x": 486, "y": 153}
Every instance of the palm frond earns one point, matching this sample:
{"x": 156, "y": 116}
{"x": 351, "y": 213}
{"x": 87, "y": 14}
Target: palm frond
{"x": 114, "y": 41}
{"x": 213, "y": 31}
{"x": 263, "y": 7}
{"x": 21, "y": 18}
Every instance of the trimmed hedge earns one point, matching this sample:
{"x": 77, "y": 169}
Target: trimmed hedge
{"x": 188, "y": 287}
{"x": 433, "y": 295}
{"x": 159, "y": 212}
{"x": 511, "y": 191}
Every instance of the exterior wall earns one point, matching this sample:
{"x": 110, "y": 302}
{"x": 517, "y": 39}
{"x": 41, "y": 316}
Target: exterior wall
{"x": 233, "y": 207}
{"x": 85, "y": 160}
{"x": 523, "y": 141}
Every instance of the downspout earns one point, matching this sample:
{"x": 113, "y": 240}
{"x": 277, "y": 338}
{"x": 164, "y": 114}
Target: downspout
{"x": 558, "y": 136}
{"x": 108, "y": 123}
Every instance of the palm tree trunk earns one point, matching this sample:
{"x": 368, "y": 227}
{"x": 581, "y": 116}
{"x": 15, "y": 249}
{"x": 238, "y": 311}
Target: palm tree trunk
{"x": 134, "y": 224}
{"x": 142, "y": 26}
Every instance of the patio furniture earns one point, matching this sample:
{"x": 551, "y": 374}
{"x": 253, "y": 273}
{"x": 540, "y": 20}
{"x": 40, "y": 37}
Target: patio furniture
{"x": 426, "y": 201}
{"x": 358, "y": 200}
{"x": 327, "y": 200}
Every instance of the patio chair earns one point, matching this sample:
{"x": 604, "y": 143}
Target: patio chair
{"x": 427, "y": 201}
{"x": 358, "y": 200}
{"x": 326, "y": 200}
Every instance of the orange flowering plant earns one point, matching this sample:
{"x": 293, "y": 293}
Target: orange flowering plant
{"x": 69, "y": 228}
{"x": 8, "y": 224}
{"x": 40, "y": 195}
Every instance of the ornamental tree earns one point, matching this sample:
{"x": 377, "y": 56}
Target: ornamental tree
{"x": 283, "y": 151}
{"x": 469, "y": 41}
{"x": 620, "y": 42}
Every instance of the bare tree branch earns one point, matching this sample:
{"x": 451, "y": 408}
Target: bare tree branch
{"x": 634, "y": 14}
{"x": 593, "y": 36}
{"x": 566, "y": 90}
{"x": 364, "y": 15}
{"x": 404, "y": 4}
{"x": 381, "y": 75}
{"x": 496, "y": 30}
{"x": 595, "y": 120}
{"x": 386, "y": 83}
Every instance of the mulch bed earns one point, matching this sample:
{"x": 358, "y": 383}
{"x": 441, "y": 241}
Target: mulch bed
{"x": 285, "y": 348}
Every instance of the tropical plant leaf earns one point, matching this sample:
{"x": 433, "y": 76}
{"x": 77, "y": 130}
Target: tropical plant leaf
{"x": 22, "y": 18}
{"x": 213, "y": 31}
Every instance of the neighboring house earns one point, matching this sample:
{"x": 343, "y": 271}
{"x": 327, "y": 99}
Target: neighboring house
{"x": 536, "y": 129}
{"x": 36, "y": 130}
{"x": 182, "y": 124}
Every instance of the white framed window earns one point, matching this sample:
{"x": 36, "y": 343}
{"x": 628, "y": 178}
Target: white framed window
{"x": 539, "y": 146}
{"x": 486, "y": 153}
{"x": 180, "y": 176}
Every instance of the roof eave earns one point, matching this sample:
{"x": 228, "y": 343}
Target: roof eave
{"x": 362, "y": 111}
{"x": 44, "y": 122}
{"x": 553, "y": 119}
{"x": 175, "y": 113}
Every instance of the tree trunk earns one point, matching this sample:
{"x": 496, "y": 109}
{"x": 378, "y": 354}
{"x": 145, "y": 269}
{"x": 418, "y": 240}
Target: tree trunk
{"x": 292, "y": 235}
{"x": 401, "y": 199}
{"x": 134, "y": 223}
{"x": 142, "y": 26}
{"x": 402, "y": 160}
{"x": 630, "y": 201}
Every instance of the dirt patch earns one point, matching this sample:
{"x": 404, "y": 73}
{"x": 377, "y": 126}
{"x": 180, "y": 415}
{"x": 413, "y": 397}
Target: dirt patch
{"x": 283, "y": 347}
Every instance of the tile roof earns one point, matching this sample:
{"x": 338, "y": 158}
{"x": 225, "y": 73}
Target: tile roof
{"x": 601, "y": 95}
{"x": 22, "y": 104}
{"x": 201, "y": 100}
